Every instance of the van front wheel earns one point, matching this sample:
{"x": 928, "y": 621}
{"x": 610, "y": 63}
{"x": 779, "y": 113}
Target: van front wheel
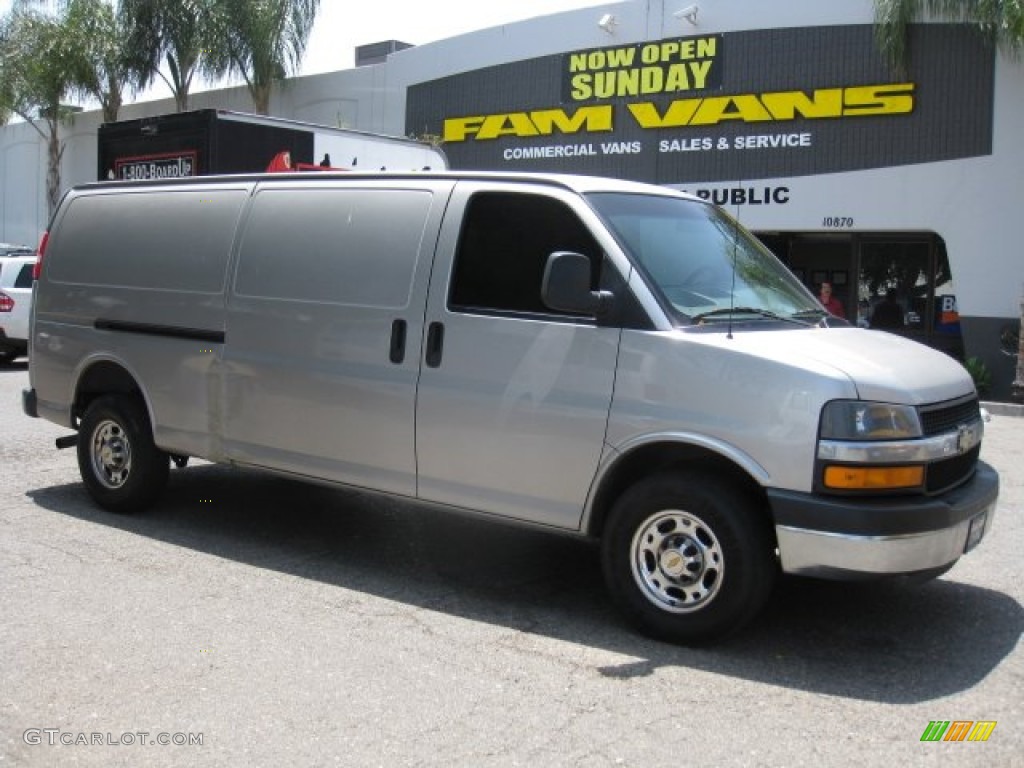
{"x": 688, "y": 557}
{"x": 121, "y": 467}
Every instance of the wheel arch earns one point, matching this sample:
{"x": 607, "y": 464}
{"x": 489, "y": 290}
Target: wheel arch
{"x": 661, "y": 455}
{"x": 105, "y": 376}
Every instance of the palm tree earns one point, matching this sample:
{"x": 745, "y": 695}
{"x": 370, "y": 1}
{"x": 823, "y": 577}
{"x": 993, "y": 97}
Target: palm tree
{"x": 52, "y": 50}
{"x": 37, "y": 72}
{"x": 183, "y": 34}
{"x": 264, "y": 41}
{"x": 1002, "y": 21}
{"x": 106, "y": 63}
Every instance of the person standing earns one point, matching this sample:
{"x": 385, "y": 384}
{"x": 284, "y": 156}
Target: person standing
{"x": 831, "y": 304}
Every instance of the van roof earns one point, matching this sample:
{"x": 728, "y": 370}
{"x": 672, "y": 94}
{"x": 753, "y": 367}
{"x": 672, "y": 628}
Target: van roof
{"x": 575, "y": 183}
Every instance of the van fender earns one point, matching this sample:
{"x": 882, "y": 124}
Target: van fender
{"x": 698, "y": 446}
{"x": 83, "y": 365}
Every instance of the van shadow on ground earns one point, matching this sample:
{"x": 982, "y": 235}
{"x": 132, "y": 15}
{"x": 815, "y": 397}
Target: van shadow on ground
{"x": 881, "y": 642}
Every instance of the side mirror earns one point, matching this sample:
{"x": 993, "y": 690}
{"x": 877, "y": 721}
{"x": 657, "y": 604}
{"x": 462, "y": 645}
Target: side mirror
{"x": 566, "y": 286}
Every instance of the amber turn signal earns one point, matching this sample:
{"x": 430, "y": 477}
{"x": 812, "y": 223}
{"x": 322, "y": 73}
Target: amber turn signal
{"x": 873, "y": 478}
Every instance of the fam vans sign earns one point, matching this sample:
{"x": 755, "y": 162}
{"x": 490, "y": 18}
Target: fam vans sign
{"x": 760, "y": 104}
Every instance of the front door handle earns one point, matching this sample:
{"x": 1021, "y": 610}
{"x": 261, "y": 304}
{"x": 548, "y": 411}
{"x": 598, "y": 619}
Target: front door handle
{"x": 435, "y": 344}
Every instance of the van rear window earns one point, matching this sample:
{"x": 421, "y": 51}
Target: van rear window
{"x": 173, "y": 240}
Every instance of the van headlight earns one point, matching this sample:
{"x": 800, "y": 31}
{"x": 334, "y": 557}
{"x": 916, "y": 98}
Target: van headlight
{"x": 859, "y": 420}
{"x": 869, "y": 448}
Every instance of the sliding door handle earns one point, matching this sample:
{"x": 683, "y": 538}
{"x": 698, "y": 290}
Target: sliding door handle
{"x": 397, "y": 352}
{"x": 435, "y": 344}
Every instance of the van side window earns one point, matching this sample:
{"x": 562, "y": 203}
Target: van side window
{"x": 505, "y": 242}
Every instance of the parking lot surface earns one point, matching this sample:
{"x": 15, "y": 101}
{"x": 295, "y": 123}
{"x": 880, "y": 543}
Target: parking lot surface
{"x": 254, "y": 621}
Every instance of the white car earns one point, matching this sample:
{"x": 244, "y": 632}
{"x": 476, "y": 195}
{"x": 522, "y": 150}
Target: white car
{"x": 13, "y": 249}
{"x": 15, "y": 305}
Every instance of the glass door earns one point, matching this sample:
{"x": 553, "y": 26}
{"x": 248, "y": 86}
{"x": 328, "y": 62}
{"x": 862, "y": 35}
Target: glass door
{"x": 905, "y": 286}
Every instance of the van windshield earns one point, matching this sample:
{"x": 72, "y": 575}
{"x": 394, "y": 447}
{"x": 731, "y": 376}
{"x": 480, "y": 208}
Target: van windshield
{"x": 687, "y": 250}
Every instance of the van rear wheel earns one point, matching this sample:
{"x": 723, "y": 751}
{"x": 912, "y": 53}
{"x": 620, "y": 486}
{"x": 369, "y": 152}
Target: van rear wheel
{"x": 688, "y": 557}
{"x": 121, "y": 467}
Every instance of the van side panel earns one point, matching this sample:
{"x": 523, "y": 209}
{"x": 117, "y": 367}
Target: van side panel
{"x": 135, "y": 276}
{"x": 325, "y": 326}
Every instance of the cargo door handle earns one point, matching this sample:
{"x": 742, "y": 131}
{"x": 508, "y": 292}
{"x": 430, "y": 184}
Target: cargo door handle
{"x": 397, "y": 351}
{"x": 435, "y": 344}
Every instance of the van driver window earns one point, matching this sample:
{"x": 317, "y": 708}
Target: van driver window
{"x": 503, "y": 249}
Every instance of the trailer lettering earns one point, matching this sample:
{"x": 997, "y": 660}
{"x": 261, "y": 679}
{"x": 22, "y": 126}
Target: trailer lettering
{"x": 155, "y": 167}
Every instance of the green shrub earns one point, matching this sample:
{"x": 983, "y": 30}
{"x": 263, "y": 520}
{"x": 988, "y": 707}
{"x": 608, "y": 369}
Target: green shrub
{"x": 980, "y": 373}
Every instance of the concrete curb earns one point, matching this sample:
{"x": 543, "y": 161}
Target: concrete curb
{"x": 1004, "y": 409}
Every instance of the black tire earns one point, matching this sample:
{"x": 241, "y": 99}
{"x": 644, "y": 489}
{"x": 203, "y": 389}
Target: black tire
{"x": 689, "y": 557}
{"x": 8, "y": 357}
{"x": 122, "y": 469}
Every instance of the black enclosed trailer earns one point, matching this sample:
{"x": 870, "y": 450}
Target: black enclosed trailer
{"x": 214, "y": 141}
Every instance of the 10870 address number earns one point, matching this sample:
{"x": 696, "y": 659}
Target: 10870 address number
{"x": 837, "y": 222}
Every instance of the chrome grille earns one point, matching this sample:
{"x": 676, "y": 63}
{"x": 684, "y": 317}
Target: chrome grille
{"x": 946, "y": 417}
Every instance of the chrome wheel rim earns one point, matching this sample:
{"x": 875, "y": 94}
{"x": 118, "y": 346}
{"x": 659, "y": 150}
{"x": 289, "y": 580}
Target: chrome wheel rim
{"x": 677, "y": 561}
{"x": 111, "y": 454}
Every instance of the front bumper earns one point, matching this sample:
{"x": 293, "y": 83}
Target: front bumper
{"x": 845, "y": 538}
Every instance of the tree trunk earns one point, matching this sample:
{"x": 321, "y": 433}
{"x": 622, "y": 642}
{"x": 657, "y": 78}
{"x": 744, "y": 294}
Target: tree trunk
{"x": 179, "y": 83}
{"x": 112, "y": 103}
{"x": 55, "y": 151}
{"x": 261, "y": 98}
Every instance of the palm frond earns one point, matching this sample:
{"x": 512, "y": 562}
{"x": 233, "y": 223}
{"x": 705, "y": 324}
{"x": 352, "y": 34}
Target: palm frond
{"x": 1001, "y": 21}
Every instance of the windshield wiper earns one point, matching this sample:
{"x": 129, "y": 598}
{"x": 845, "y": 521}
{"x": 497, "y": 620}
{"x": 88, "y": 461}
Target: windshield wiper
{"x": 810, "y": 313}
{"x": 745, "y": 311}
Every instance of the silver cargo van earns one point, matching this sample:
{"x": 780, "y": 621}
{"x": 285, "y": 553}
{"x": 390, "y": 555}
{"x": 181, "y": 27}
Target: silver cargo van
{"x": 611, "y": 359}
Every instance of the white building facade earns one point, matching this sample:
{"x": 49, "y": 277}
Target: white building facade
{"x": 872, "y": 179}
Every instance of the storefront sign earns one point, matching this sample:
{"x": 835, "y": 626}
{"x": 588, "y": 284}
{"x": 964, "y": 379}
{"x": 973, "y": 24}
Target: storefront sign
{"x": 743, "y": 105}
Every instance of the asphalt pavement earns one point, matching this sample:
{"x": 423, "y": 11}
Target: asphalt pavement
{"x": 254, "y": 621}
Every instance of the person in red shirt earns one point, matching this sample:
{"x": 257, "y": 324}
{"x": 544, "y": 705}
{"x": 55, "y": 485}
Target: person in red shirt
{"x": 831, "y": 304}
